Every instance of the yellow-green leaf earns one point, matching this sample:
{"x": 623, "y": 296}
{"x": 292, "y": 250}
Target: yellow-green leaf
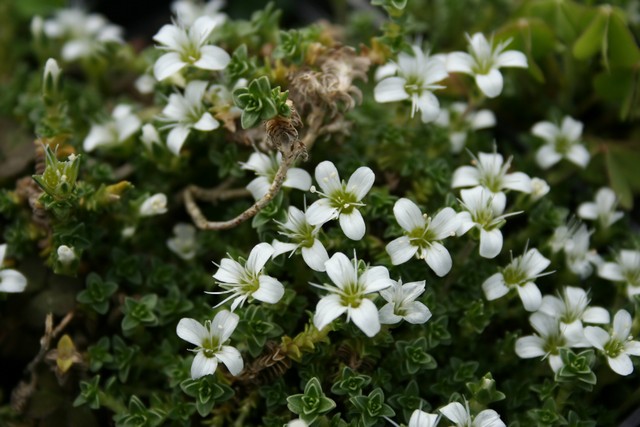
{"x": 594, "y": 38}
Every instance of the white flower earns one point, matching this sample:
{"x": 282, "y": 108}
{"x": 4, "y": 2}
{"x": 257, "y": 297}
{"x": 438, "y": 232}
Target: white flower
{"x": 546, "y": 343}
{"x": 304, "y": 236}
{"x": 421, "y": 418}
{"x": 572, "y": 309}
{"x": 66, "y": 255}
{"x": 154, "y": 205}
{"x": 563, "y": 141}
{"x": 626, "y": 270}
{"x": 188, "y": 47}
{"x": 341, "y": 200}
{"x": 490, "y": 171}
{"x": 85, "y": 34}
{"x": 423, "y": 236}
{"x": 483, "y": 61}
{"x": 266, "y": 167}
{"x": 603, "y": 209}
{"x": 11, "y": 281}
{"x": 461, "y": 417}
{"x": 484, "y": 212}
{"x": 122, "y": 125}
{"x": 209, "y": 340}
{"x": 539, "y": 188}
{"x": 458, "y": 119}
{"x": 402, "y": 304}
{"x": 297, "y": 423}
{"x": 580, "y": 259}
{"x": 51, "y": 73}
{"x": 244, "y": 281}
{"x": 188, "y": 11}
{"x": 145, "y": 84}
{"x": 416, "y": 80}
{"x": 618, "y": 345}
{"x": 563, "y": 234}
{"x": 520, "y": 275}
{"x": 184, "y": 242}
{"x": 149, "y": 136}
{"x": 350, "y": 294}
{"x": 185, "y": 112}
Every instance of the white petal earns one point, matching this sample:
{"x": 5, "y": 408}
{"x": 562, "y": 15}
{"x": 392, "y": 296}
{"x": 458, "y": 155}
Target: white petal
{"x": 127, "y": 126}
{"x": 408, "y": 215}
{"x": 517, "y": 181}
{"x": 321, "y": 212}
{"x": 315, "y": 256}
{"x": 212, "y": 58}
{"x": 632, "y": 348}
{"x": 192, "y": 331}
{"x": 340, "y": 270}
{"x": 530, "y": 296}
{"x": 206, "y": 123}
{"x": 194, "y": 92}
{"x": 571, "y": 128}
{"x": 488, "y": 418}
{"x": 588, "y": 210}
{"x": 622, "y": 325}
{"x": 258, "y": 257}
{"x": 328, "y": 177}
{"x": 417, "y": 313}
{"x": 400, "y": 250}
{"x": 483, "y": 119}
{"x": 203, "y": 365}
{"x": 429, "y": 107}
{"x": 98, "y": 135}
{"x": 579, "y": 155}
{"x": 490, "y": 84}
{"x": 490, "y": 243}
{"x": 555, "y": 361}
{"x": 375, "y": 279}
{"x": 547, "y": 156}
{"x": 512, "y": 58}
{"x": 465, "y": 223}
{"x": 328, "y": 309}
{"x": 280, "y": 248}
{"x": 543, "y": 324}
{"x": 361, "y": 182}
{"x": 3, "y": 251}
{"x": 171, "y": 36}
{"x": 390, "y": 89}
{"x": 223, "y": 325}
{"x": 270, "y": 290}
{"x": 422, "y": 419}
{"x": 12, "y": 281}
{"x": 444, "y": 224}
{"x": 386, "y": 70}
{"x": 535, "y": 263}
{"x": 621, "y": 364}
{"x": 231, "y": 358}
{"x": 230, "y": 271}
{"x": 438, "y": 258}
{"x": 460, "y": 62}
{"x": 258, "y": 187}
{"x": 529, "y": 347}
{"x": 387, "y": 315}
{"x": 167, "y": 65}
{"x": 365, "y": 317}
{"x": 465, "y": 176}
{"x": 596, "y": 315}
{"x": 176, "y": 139}
{"x": 74, "y": 49}
{"x": 597, "y": 336}
{"x": 201, "y": 28}
{"x": 298, "y": 178}
{"x": 352, "y": 225}
{"x": 552, "y": 306}
{"x": 546, "y": 130}
{"x": 611, "y": 271}
{"x": 494, "y": 287}
{"x": 455, "y": 412}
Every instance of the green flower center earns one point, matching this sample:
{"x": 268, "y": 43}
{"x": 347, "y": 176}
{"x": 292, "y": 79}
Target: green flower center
{"x": 513, "y": 275}
{"x": 344, "y": 201}
{"x": 563, "y": 144}
{"x": 413, "y": 86}
{"x": 614, "y": 348}
{"x": 352, "y": 295}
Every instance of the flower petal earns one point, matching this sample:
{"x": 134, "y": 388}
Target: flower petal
{"x": 611, "y": 271}
{"x": 387, "y": 316}
{"x": 579, "y": 155}
{"x": 444, "y": 224}
{"x": 176, "y": 138}
{"x": 588, "y": 210}
{"x": 270, "y": 290}
{"x": 465, "y": 176}
{"x": 258, "y": 257}
{"x": 212, "y": 58}
{"x": 167, "y": 65}
{"x": 529, "y": 347}
{"x": 512, "y": 58}
{"x": 390, "y": 89}
{"x": 360, "y": 182}
{"x": 621, "y": 364}
{"x": 328, "y": 178}
{"x": 488, "y": 417}
{"x": 353, "y": 225}
{"x": 490, "y": 243}
{"x": 417, "y": 313}
{"x": 408, "y": 215}
{"x": 494, "y": 287}
{"x": 455, "y": 412}
{"x": 517, "y": 181}
{"x": 438, "y": 258}
{"x": 530, "y": 296}
{"x": 258, "y": 187}
{"x": 203, "y": 365}
{"x": 315, "y": 256}
{"x": 622, "y": 325}
{"x": 231, "y": 358}
{"x": 192, "y": 331}
{"x": 546, "y": 130}
{"x": 429, "y": 107}
{"x": 321, "y": 212}
{"x": 340, "y": 270}
{"x": 597, "y": 336}
{"x": 298, "y": 178}
{"x": 400, "y": 250}
{"x": 206, "y": 123}
{"x": 230, "y": 271}
{"x": 596, "y": 315}
{"x": 460, "y": 62}
{"x": 328, "y": 309}
{"x": 365, "y": 317}
{"x": 547, "y": 156}
{"x": 223, "y": 325}
{"x": 490, "y": 84}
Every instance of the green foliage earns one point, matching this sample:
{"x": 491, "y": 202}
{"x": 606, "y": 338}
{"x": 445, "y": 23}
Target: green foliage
{"x": 312, "y": 403}
{"x": 259, "y": 102}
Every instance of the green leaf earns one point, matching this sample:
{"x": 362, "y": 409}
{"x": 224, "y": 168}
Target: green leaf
{"x": 623, "y": 49}
{"x": 249, "y": 119}
{"x": 594, "y": 38}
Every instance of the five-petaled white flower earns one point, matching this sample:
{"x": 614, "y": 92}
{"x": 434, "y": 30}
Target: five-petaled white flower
{"x": 415, "y": 80}
{"x": 423, "y": 236}
{"x": 461, "y": 416}
{"x": 122, "y": 125}
{"x": 341, "y": 200}
{"x": 539, "y": 188}
{"x": 185, "y": 112}
{"x": 572, "y": 309}
{"x": 618, "y": 345}
{"x": 563, "y": 141}
{"x": 580, "y": 259}
{"x": 209, "y": 340}
{"x": 85, "y": 34}
{"x": 66, "y": 254}
{"x": 304, "y": 236}
{"x": 520, "y": 275}
{"x": 626, "y": 269}
{"x": 244, "y": 281}
{"x": 188, "y": 47}
{"x": 266, "y": 166}
{"x": 484, "y": 211}
{"x": 183, "y": 243}
{"x": 402, "y": 304}
{"x": 154, "y": 205}
{"x": 349, "y": 294}
{"x": 188, "y": 11}
{"x": 11, "y": 281}
{"x": 490, "y": 171}
{"x": 483, "y": 61}
{"x": 603, "y": 209}
{"x": 548, "y": 341}
{"x": 459, "y": 120}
